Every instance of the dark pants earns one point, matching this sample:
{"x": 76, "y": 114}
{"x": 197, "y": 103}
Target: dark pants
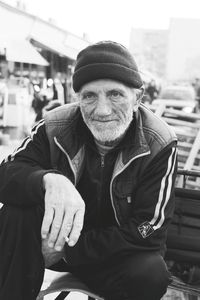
{"x": 139, "y": 276}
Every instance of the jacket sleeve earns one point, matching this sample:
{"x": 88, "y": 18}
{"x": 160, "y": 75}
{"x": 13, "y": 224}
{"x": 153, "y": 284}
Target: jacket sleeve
{"x": 22, "y": 171}
{"x": 146, "y": 228}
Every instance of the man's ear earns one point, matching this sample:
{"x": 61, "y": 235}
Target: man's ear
{"x": 139, "y": 95}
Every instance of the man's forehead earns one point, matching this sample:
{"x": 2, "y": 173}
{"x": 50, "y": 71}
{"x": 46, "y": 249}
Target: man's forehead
{"x": 104, "y": 84}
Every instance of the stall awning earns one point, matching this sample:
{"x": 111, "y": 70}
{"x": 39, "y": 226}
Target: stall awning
{"x": 23, "y": 51}
{"x": 59, "y": 48}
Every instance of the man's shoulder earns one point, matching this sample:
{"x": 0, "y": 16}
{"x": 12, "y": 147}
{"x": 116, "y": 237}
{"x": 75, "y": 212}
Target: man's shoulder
{"x": 155, "y": 127}
{"x": 61, "y": 120}
{"x": 62, "y": 114}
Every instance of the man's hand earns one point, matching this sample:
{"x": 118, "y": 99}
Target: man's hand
{"x": 64, "y": 211}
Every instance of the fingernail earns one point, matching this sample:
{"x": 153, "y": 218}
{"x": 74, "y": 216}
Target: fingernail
{"x": 58, "y": 248}
{"x": 66, "y": 239}
{"x": 44, "y": 236}
{"x": 50, "y": 245}
{"x": 71, "y": 243}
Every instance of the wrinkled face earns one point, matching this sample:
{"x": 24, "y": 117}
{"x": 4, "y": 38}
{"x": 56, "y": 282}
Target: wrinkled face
{"x": 107, "y": 108}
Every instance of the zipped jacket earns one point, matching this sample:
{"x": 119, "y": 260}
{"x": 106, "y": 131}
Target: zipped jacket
{"x": 141, "y": 187}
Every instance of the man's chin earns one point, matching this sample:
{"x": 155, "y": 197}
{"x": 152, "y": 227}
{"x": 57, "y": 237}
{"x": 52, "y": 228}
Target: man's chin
{"x": 106, "y": 137}
{"x": 108, "y": 134}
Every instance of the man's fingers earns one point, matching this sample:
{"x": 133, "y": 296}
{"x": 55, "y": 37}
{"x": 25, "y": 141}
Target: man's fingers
{"x": 77, "y": 227}
{"x": 56, "y": 226}
{"x": 60, "y": 228}
{"x": 47, "y": 221}
{"x": 74, "y": 230}
{"x": 65, "y": 230}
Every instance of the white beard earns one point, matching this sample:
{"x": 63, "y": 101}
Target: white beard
{"x": 111, "y": 133}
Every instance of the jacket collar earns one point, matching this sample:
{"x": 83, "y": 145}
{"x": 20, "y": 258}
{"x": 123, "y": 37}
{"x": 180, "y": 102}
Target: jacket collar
{"x": 134, "y": 142}
{"x": 76, "y": 134}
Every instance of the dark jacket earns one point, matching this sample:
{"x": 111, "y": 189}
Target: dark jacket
{"x": 141, "y": 187}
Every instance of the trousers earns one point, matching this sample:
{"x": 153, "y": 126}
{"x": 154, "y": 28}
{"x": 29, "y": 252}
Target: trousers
{"x": 132, "y": 276}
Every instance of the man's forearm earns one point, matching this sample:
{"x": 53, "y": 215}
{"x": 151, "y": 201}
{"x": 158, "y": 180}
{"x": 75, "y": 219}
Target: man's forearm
{"x": 21, "y": 184}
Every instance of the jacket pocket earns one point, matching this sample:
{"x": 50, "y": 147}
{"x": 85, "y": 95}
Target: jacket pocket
{"x": 125, "y": 207}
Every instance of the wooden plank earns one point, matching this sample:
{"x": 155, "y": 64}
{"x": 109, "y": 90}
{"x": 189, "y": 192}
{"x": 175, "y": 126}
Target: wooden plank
{"x": 192, "y": 177}
{"x": 181, "y": 123}
{"x": 186, "y": 135}
{"x": 187, "y": 129}
{"x": 173, "y": 112}
{"x": 193, "y": 153}
{"x": 179, "y": 285}
{"x": 184, "y": 144}
{"x": 180, "y": 113}
{"x": 183, "y": 153}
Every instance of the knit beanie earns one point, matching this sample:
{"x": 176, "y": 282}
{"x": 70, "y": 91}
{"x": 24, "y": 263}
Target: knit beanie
{"x": 106, "y": 60}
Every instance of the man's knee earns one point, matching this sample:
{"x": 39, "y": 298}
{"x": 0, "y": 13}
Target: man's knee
{"x": 20, "y": 235}
{"x": 23, "y": 220}
{"x": 147, "y": 277}
{"x": 21, "y": 259}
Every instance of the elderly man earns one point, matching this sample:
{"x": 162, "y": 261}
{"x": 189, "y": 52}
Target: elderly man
{"x": 90, "y": 191}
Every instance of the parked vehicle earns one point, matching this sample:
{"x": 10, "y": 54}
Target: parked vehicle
{"x": 178, "y": 97}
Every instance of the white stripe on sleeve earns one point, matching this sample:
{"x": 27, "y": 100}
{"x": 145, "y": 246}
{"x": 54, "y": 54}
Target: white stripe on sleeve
{"x": 160, "y": 207}
{"x": 27, "y": 140}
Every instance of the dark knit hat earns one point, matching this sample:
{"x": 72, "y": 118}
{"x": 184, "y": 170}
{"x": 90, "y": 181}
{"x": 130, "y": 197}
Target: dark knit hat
{"x": 104, "y": 60}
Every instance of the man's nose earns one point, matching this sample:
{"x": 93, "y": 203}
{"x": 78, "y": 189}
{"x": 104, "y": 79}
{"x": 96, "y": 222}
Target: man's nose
{"x": 103, "y": 106}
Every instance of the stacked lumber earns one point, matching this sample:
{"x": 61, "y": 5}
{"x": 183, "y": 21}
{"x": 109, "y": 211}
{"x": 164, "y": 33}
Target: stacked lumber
{"x": 187, "y": 128}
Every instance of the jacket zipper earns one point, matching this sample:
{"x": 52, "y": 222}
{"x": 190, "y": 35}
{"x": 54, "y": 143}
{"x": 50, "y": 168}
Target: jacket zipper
{"x": 102, "y": 164}
{"x": 124, "y": 167}
{"x": 68, "y": 158}
{"x": 102, "y": 160}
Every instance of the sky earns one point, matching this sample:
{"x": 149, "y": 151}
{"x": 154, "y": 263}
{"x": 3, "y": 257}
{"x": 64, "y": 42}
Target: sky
{"x": 111, "y": 19}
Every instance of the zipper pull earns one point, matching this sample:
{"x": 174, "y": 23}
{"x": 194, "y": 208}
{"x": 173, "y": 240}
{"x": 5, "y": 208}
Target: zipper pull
{"x": 102, "y": 161}
{"x": 129, "y": 199}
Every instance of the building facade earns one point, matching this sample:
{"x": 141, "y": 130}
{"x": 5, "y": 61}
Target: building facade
{"x": 150, "y": 49}
{"x": 174, "y": 54}
{"x": 36, "y": 49}
{"x": 183, "y": 59}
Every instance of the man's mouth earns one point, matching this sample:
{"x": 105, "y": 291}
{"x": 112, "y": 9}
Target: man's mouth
{"x": 103, "y": 121}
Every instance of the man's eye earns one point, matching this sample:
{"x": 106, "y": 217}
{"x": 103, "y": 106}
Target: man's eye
{"x": 115, "y": 94}
{"x": 89, "y": 96}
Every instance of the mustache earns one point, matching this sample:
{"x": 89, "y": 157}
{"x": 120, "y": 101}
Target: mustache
{"x": 102, "y": 119}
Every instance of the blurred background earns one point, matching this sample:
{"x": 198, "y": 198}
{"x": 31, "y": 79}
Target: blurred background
{"x": 39, "y": 41}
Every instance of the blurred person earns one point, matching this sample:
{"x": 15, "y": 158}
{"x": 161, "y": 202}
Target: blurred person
{"x": 39, "y": 102}
{"x": 196, "y": 86}
{"x": 3, "y": 96}
{"x": 58, "y": 89}
{"x": 152, "y": 90}
{"x": 91, "y": 190}
{"x": 146, "y": 99}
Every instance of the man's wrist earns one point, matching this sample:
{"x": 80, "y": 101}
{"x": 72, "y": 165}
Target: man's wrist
{"x": 49, "y": 178}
